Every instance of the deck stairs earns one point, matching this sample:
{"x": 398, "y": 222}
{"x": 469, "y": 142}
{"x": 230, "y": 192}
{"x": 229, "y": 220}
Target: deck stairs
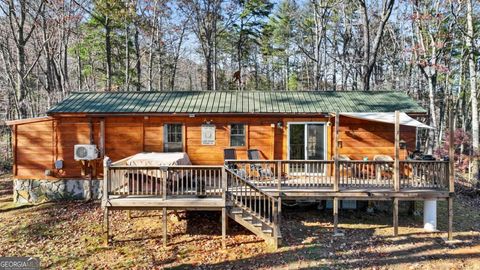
{"x": 252, "y": 208}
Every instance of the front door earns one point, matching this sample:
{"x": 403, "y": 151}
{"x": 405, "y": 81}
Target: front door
{"x": 307, "y": 141}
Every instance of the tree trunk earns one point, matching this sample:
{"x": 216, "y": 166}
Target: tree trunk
{"x": 138, "y": 66}
{"x": 176, "y": 57}
{"x": 433, "y": 118}
{"x": 108, "y": 51}
{"x": 79, "y": 67}
{"x": 240, "y": 55}
{"x": 155, "y": 34}
{"x": 209, "y": 71}
{"x": 473, "y": 89}
{"x": 318, "y": 42}
{"x": 127, "y": 58}
{"x": 370, "y": 51}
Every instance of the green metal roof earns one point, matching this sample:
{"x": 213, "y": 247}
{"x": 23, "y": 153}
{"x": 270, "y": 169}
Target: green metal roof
{"x": 236, "y": 102}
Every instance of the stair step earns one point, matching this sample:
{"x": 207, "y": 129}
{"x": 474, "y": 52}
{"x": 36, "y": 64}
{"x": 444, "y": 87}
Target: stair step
{"x": 257, "y": 224}
{"x": 237, "y": 211}
{"x": 248, "y": 218}
{"x": 267, "y": 230}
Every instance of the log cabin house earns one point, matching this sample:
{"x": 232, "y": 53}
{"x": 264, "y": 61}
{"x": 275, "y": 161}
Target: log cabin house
{"x": 190, "y": 150}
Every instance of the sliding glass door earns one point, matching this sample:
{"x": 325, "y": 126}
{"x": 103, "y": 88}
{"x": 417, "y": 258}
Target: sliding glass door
{"x": 306, "y": 141}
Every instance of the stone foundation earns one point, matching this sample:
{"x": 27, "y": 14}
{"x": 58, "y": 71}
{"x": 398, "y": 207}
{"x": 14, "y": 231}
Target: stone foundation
{"x": 37, "y": 191}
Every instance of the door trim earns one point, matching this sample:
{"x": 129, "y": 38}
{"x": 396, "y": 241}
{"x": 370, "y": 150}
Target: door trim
{"x": 305, "y": 134}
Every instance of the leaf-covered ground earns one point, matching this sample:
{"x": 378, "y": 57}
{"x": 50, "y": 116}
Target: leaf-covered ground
{"x": 68, "y": 235}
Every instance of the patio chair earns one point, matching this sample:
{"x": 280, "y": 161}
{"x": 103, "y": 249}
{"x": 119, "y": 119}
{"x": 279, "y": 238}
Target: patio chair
{"x": 230, "y": 153}
{"x": 254, "y": 154}
{"x": 384, "y": 170}
{"x": 345, "y": 168}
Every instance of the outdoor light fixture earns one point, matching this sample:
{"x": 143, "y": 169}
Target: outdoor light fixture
{"x": 329, "y": 122}
{"x": 279, "y": 124}
{"x": 402, "y": 144}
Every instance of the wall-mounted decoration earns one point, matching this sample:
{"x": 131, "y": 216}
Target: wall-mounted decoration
{"x": 208, "y": 134}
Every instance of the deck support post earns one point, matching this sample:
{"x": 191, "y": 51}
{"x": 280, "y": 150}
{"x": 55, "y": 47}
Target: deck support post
{"x": 450, "y": 218}
{"x": 451, "y": 172}
{"x": 336, "y": 182}
{"x": 224, "y": 227}
{"x": 276, "y": 226}
{"x": 164, "y": 170}
{"x": 129, "y": 214}
{"x": 164, "y": 226}
{"x": 335, "y": 216}
{"x": 107, "y": 162}
{"x": 106, "y": 187}
{"x": 396, "y": 164}
{"x": 102, "y": 137}
{"x": 279, "y": 210}
{"x": 396, "y": 172}
{"x": 395, "y": 216}
{"x": 279, "y": 187}
{"x": 225, "y": 198}
{"x": 105, "y": 227}
{"x": 430, "y": 215}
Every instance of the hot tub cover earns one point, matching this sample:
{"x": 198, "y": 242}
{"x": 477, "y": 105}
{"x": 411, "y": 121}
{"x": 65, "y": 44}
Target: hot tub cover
{"x": 159, "y": 159}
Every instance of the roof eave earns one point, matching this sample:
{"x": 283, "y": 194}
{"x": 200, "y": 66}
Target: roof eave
{"x": 28, "y": 120}
{"x": 104, "y": 114}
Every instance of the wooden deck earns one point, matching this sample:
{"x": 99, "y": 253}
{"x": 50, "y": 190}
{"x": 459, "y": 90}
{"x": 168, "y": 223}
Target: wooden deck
{"x": 251, "y": 192}
{"x": 152, "y": 202}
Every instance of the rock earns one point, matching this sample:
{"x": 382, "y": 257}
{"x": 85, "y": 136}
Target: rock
{"x": 35, "y": 191}
{"x": 23, "y": 195}
{"x": 35, "y": 184}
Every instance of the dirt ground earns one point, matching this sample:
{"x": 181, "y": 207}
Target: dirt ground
{"x": 67, "y": 235}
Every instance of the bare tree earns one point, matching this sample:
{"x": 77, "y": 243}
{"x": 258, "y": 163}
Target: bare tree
{"x": 23, "y": 18}
{"x": 473, "y": 83}
{"x": 321, "y": 11}
{"x": 431, "y": 28}
{"x": 205, "y": 17}
{"x": 370, "y": 50}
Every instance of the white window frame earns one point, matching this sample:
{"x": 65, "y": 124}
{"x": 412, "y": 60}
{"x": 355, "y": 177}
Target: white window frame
{"x": 165, "y": 135}
{"x": 244, "y": 135}
{"x": 305, "y": 140}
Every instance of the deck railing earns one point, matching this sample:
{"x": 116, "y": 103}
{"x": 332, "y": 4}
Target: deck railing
{"x": 366, "y": 174}
{"x": 252, "y": 199}
{"x": 288, "y": 173}
{"x": 353, "y": 174}
{"x": 136, "y": 180}
{"x": 208, "y": 181}
{"x": 424, "y": 174}
{"x": 171, "y": 181}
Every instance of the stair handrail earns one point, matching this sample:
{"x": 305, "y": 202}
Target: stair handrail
{"x": 250, "y": 184}
{"x": 274, "y": 222}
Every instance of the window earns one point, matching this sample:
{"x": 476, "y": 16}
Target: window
{"x": 173, "y": 138}
{"x": 237, "y": 135}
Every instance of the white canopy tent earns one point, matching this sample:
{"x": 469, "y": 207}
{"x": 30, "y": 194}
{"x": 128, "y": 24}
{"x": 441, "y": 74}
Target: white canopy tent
{"x": 388, "y": 117}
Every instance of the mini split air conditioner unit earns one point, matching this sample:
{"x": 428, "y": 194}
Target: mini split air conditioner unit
{"x": 86, "y": 152}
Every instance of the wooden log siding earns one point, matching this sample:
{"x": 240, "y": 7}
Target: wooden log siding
{"x": 72, "y": 131}
{"x": 34, "y": 149}
{"x": 40, "y": 143}
{"x": 361, "y": 138}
